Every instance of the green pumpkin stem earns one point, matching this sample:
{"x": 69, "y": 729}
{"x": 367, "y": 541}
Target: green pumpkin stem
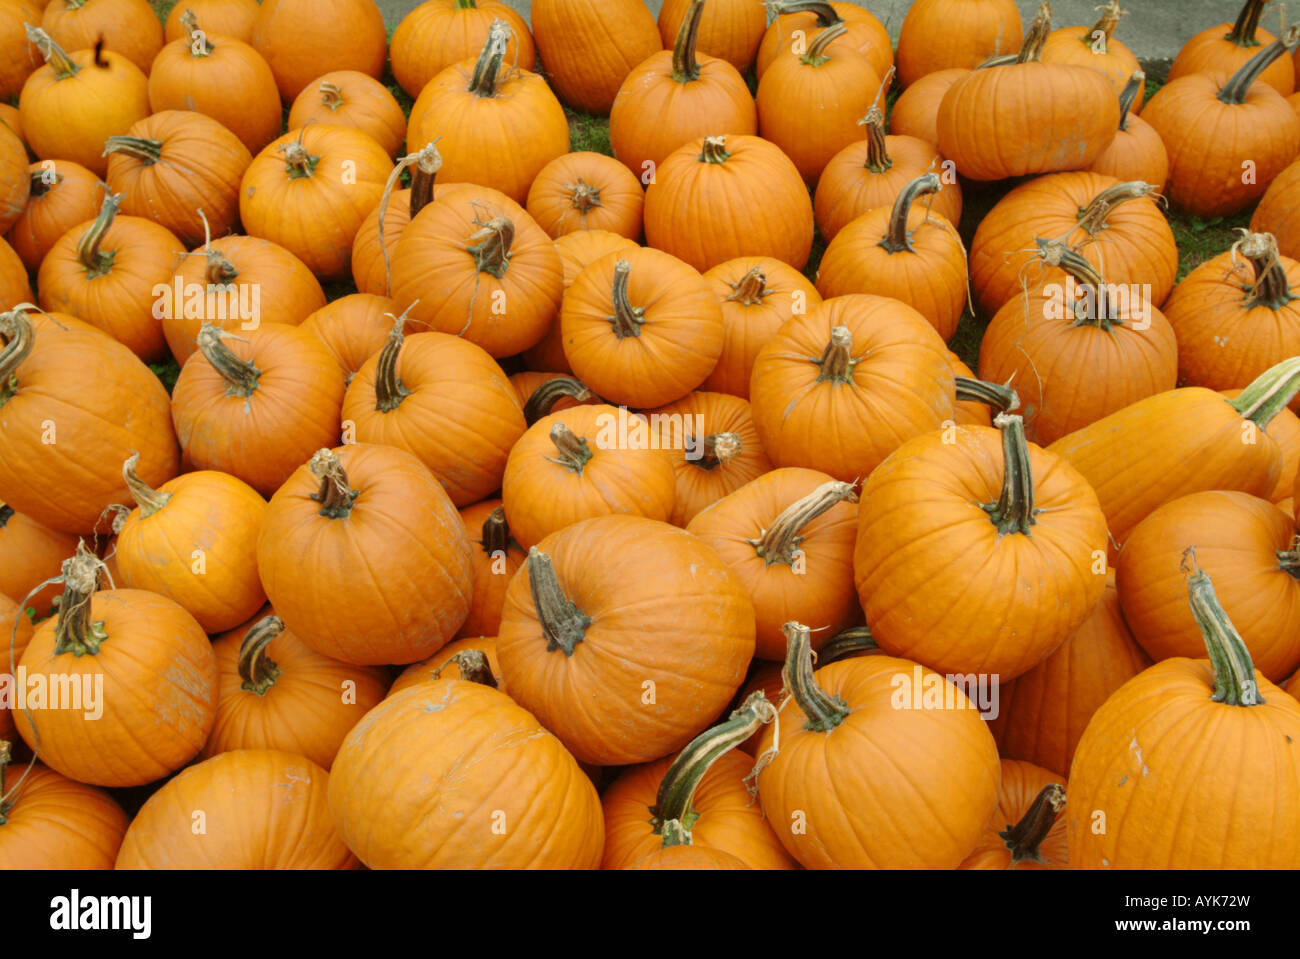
{"x": 16, "y": 328}
{"x": 191, "y": 25}
{"x": 1014, "y": 510}
{"x": 1002, "y": 398}
{"x": 719, "y": 449}
{"x": 490, "y": 246}
{"x": 674, "y": 802}
{"x": 837, "y": 362}
{"x": 146, "y": 497}
{"x": 1243, "y": 30}
{"x": 1272, "y": 289}
{"x": 1234, "y": 673}
{"x": 1031, "y": 51}
{"x": 780, "y": 542}
{"x": 551, "y": 392}
{"x": 143, "y": 149}
{"x": 1092, "y": 218}
{"x": 857, "y": 641}
{"x": 816, "y": 54}
{"x": 823, "y": 712}
{"x": 389, "y": 391}
{"x": 750, "y": 289}
{"x": 627, "y": 319}
{"x": 563, "y": 624}
{"x": 1128, "y": 96}
{"x": 897, "y": 239}
{"x": 55, "y": 55}
{"x": 1024, "y": 838}
{"x": 473, "y": 665}
{"x": 241, "y": 376}
{"x": 573, "y": 451}
{"x": 715, "y": 150}
{"x": 466, "y": 5}
{"x": 1235, "y": 90}
{"x": 336, "y": 496}
{"x": 74, "y": 632}
{"x": 674, "y": 833}
{"x": 686, "y": 67}
{"x": 1000, "y": 60}
{"x": 821, "y": 9}
{"x": 487, "y": 69}
{"x": 96, "y": 261}
{"x": 256, "y": 668}
{"x": 878, "y": 159}
{"x": 1270, "y": 393}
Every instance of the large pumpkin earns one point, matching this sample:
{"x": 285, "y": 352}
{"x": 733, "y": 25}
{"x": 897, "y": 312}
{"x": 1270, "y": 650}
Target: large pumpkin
{"x": 62, "y": 194}
{"x": 590, "y": 46}
{"x": 1276, "y": 211}
{"x": 301, "y": 39}
{"x": 1230, "y": 46}
{"x": 946, "y": 34}
{"x": 1027, "y": 830}
{"x": 438, "y": 34}
{"x": 351, "y": 99}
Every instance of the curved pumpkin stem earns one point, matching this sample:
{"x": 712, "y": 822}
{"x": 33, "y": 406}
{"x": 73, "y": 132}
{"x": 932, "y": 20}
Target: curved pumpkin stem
{"x": 878, "y": 159}
{"x": 331, "y": 95}
{"x": 627, "y": 319}
{"x": 147, "y": 498}
{"x": 55, "y": 55}
{"x": 74, "y": 632}
{"x": 824, "y": 712}
{"x": 1002, "y": 398}
{"x": 1093, "y": 308}
{"x": 1272, "y": 289}
{"x": 1024, "y": 838}
{"x": 490, "y": 246}
{"x": 816, "y": 54}
{"x": 473, "y": 666}
{"x": 719, "y": 449}
{"x": 193, "y": 31}
{"x": 750, "y": 289}
{"x": 256, "y": 668}
{"x": 779, "y": 542}
{"x": 1014, "y": 510}
{"x": 674, "y": 802}
{"x": 563, "y": 624}
{"x": 389, "y": 391}
{"x": 16, "y": 328}
{"x": 1092, "y": 218}
{"x": 426, "y": 162}
{"x": 1031, "y": 51}
{"x": 487, "y": 69}
{"x": 241, "y": 376}
{"x": 1128, "y": 95}
{"x": 573, "y": 451}
{"x": 142, "y": 148}
{"x": 1243, "y": 31}
{"x": 837, "y": 362}
{"x": 857, "y": 641}
{"x": 825, "y": 13}
{"x": 686, "y": 67}
{"x": 1235, "y": 90}
{"x": 897, "y": 239}
{"x": 1234, "y": 673}
{"x": 336, "y": 495}
{"x": 1270, "y": 393}
{"x": 96, "y": 261}
{"x": 551, "y": 392}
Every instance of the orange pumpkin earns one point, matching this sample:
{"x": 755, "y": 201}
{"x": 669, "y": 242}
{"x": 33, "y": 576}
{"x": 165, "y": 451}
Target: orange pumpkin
{"x": 1230, "y": 46}
{"x": 1275, "y": 211}
{"x": 1095, "y": 47}
{"x": 729, "y": 29}
{"x": 496, "y": 558}
{"x": 126, "y": 27}
{"x": 946, "y": 34}
{"x": 797, "y": 22}
{"x": 1137, "y": 152}
{"x": 15, "y": 287}
{"x": 541, "y": 394}
{"x": 230, "y": 18}
{"x": 30, "y": 553}
{"x": 441, "y": 33}
{"x": 445, "y": 664}
{"x": 1027, "y": 830}
{"x": 586, "y": 191}
{"x": 15, "y": 184}
{"x": 348, "y": 98}
{"x": 62, "y": 195}
{"x": 19, "y": 57}
{"x": 916, "y": 111}
{"x": 590, "y": 46}
{"x": 301, "y": 39}
{"x": 353, "y": 328}
{"x": 1285, "y": 430}
{"x": 375, "y": 241}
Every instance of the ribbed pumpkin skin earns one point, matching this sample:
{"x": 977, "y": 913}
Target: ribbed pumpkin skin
{"x": 15, "y": 184}
{"x": 423, "y": 779}
{"x": 729, "y": 819}
{"x": 127, "y": 27}
{"x": 362, "y": 102}
{"x": 1021, "y": 783}
{"x": 1136, "y": 153}
{"x": 926, "y": 798}
{"x": 402, "y": 527}
{"x": 561, "y": 199}
{"x": 1237, "y": 538}
{"x": 1043, "y": 713}
{"x": 916, "y": 111}
{"x": 159, "y": 694}
{"x": 1276, "y": 211}
{"x": 1180, "y": 735}
{"x": 57, "y": 823}
{"x": 30, "y": 553}
{"x": 301, "y": 39}
{"x": 730, "y": 29}
{"x": 353, "y": 328}
{"x": 1210, "y": 51}
{"x": 1080, "y": 47}
{"x": 439, "y": 33}
{"x": 590, "y": 46}
{"x": 263, "y": 809}
{"x": 865, "y": 35}
{"x": 52, "y": 209}
{"x": 14, "y": 284}
{"x": 423, "y": 672}
{"x": 672, "y": 587}
{"x": 19, "y": 59}
{"x": 492, "y": 574}
{"x": 690, "y": 858}
{"x": 944, "y": 34}
{"x": 753, "y": 204}
{"x": 231, "y": 18}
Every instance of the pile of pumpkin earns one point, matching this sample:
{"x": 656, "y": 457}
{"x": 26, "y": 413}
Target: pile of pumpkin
{"x": 352, "y": 594}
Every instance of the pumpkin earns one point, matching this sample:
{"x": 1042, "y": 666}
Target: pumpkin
{"x": 149, "y": 679}
{"x": 15, "y": 287}
{"x": 19, "y": 58}
{"x": 799, "y": 21}
{"x": 1137, "y": 152}
{"x": 277, "y": 693}
{"x": 1027, "y": 830}
{"x": 872, "y": 173}
{"x": 729, "y": 29}
{"x": 371, "y": 507}
{"x": 1043, "y": 713}
{"x": 719, "y": 450}
{"x": 353, "y": 328}
{"x": 1079, "y": 351}
{"x": 758, "y": 294}
{"x": 11, "y": 118}
{"x": 1178, "y": 442}
{"x": 641, "y": 328}
{"x": 220, "y": 77}
{"x": 1247, "y": 544}
{"x": 841, "y": 387}
{"x": 916, "y": 111}
{"x": 481, "y": 268}
{"x": 175, "y": 163}
{"x": 15, "y": 184}
{"x": 1008, "y": 120}
{"x": 946, "y": 34}
{"x": 988, "y": 493}
{"x": 678, "y": 853}
{"x": 575, "y": 625}
{"x": 705, "y": 786}
{"x": 230, "y": 18}
{"x": 1275, "y": 211}
{"x": 496, "y": 558}
{"x": 76, "y": 101}
{"x": 301, "y": 39}
{"x": 48, "y": 821}
{"x": 173, "y": 544}
{"x": 233, "y": 283}
{"x": 904, "y": 251}
{"x": 97, "y": 401}
{"x": 1170, "y": 724}
{"x": 441, "y": 33}
{"x": 674, "y": 97}
{"x": 1230, "y": 46}
{"x": 348, "y": 98}
{"x": 934, "y": 771}
{"x": 444, "y": 664}
{"x": 444, "y": 400}
{"x": 586, "y": 191}
{"x": 573, "y": 465}
{"x": 590, "y": 46}
{"x": 375, "y": 241}
{"x": 788, "y": 536}
{"x": 30, "y": 553}
{"x": 62, "y": 194}
{"x": 1216, "y": 126}
{"x": 257, "y": 405}
{"x": 262, "y": 809}
{"x": 1285, "y": 430}
{"x": 126, "y": 27}
{"x": 1096, "y": 47}
{"x": 477, "y": 782}
{"x": 541, "y": 394}
{"x": 723, "y": 197}
{"x": 310, "y": 189}
{"x": 1116, "y": 226}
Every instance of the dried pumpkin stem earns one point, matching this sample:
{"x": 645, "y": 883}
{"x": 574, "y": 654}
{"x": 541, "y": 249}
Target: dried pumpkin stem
{"x": 192, "y": 30}
{"x": 147, "y": 498}
{"x": 1106, "y": 23}
{"x": 719, "y": 449}
{"x": 779, "y": 542}
{"x": 241, "y": 376}
{"x": 298, "y": 161}
{"x": 496, "y": 533}
{"x": 1014, "y": 510}
{"x": 1031, "y": 51}
{"x": 6, "y": 755}
{"x": 574, "y": 453}
{"x": 821, "y": 9}
{"x": 1093, "y": 308}
{"x": 96, "y": 261}
{"x": 256, "y": 668}
{"x": 750, "y": 289}
{"x": 1234, "y": 673}
{"x": 219, "y": 271}
{"x": 563, "y": 624}
{"x": 878, "y": 159}
{"x": 627, "y": 319}
{"x": 331, "y": 95}
{"x": 16, "y": 328}
{"x": 837, "y": 362}
{"x": 1243, "y": 30}
{"x": 1003, "y": 399}
{"x": 487, "y": 68}
{"x": 857, "y": 641}
{"x": 74, "y": 632}
{"x": 1272, "y": 289}
{"x": 142, "y": 148}
{"x": 1128, "y": 96}
{"x": 1024, "y": 838}
{"x": 490, "y": 246}
{"x": 1092, "y": 218}
{"x": 42, "y": 182}
{"x": 473, "y": 665}
{"x": 1269, "y": 393}
{"x": 583, "y": 197}
{"x": 55, "y": 55}
{"x": 1235, "y": 90}
{"x": 551, "y": 392}
{"x": 1288, "y": 560}
{"x": 715, "y": 150}
{"x": 686, "y": 67}
{"x": 336, "y": 496}
{"x": 816, "y": 54}
{"x": 389, "y": 391}
{"x": 823, "y": 712}
{"x": 424, "y": 170}
{"x": 897, "y": 239}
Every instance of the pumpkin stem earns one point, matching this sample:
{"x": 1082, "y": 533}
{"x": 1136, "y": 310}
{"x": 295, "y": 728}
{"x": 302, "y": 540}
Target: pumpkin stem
{"x": 389, "y": 391}
{"x": 96, "y": 261}
{"x": 825, "y": 13}
{"x": 674, "y": 833}
{"x": 6, "y": 755}
{"x": 490, "y": 246}
{"x": 496, "y": 533}
{"x": 1092, "y": 218}
{"x": 427, "y": 163}
{"x": 719, "y": 450}
{"x": 1024, "y": 838}
{"x": 837, "y": 362}
{"x": 816, "y": 54}
{"x": 1243, "y": 31}
{"x": 1288, "y": 560}
{"x": 219, "y": 271}
{"x": 1002, "y": 398}
{"x": 551, "y": 392}
{"x": 298, "y": 162}
{"x": 1106, "y": 23}
{"x": 473, "y": 666}
{"x": 42, "y": 183}
{"x": 147, "y": 498}
{"x": 1234, "y": 91}
{"x": 1128, "y": 96}
{"x": 563, "y": 624}
{"x": 823, "y": 712}
{"x": 256, "y": 668}
{"x": 191, "y": 25}
{"x": 779, "y": 542}
{"x": 897, "y": 239}
{"x": 583, "y": 197}
{"x": 75, "y": 633}
{"x": 16, "y": 328}
{"x": 336, "y": 496}
{"x": 331, "y": 95}
{"x": 466, "y": 5}
{"x": 1272, "y": 288}
{"x": 1270, "y": 393}
{"x": 627, "y": 319}
{"x": 1234, "y": 673}
{"x": 878, "y": 159}
{"x": 715, "y": 150}
{"x": 1031, "y": 51}
{"x": 143, "y": 149}
{"x": 750, "y": 289}
{"x": 487, "y": 69}
{"x": 674, "y": 802}
{"x": 1014, "y": 510}
{"x": 857, "y": 641}
{"x": 1093, "y": 306}
{"x": 54, "y": 54}
{"x": 574, "y": 453}
{"x": 686, "y": 67}
{"x": 1001, "y": 60}
{"x": 240, "y": 375}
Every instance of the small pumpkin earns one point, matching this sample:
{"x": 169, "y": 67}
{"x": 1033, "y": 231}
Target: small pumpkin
{"x": 1137, "y": 152}
{"x": 799, "y": 21}
{"x": 1275, "y": 211}
{"x": 126, "y": 27}
{"x": 441, "y": 33}
{"x": 301, "y": 39}
{"x": 446, "y": 664}
{"x": 497, "y": 556}
{"x": 30, "y": 553}
{"x": 353, "y": 328}
{"x": 586, "y": 191}
{"x": 62, "y": 194}
{"x": 590, "y": 46}
{"x": 1095, "y": 47}
{"x": 946, "y": 34}
{"x": 351, "y": 99}
{"x": 1027, "y": 830}
{"x": 230, "y": 18}
{"x": 916, "y": 111}
{"x": 1230, "y": 46}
